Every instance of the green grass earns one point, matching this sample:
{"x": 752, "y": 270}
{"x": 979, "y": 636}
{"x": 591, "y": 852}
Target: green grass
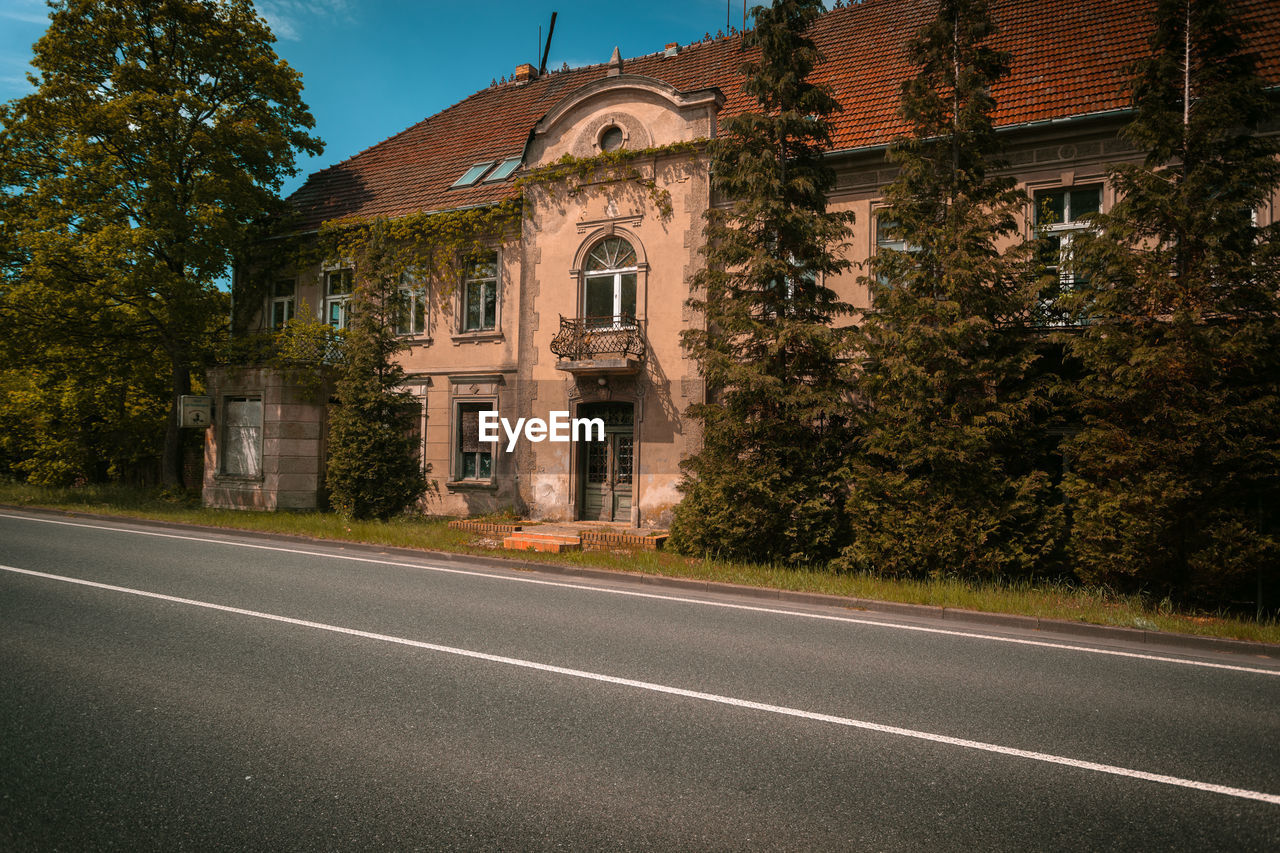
{"x": 1045, "y": 600}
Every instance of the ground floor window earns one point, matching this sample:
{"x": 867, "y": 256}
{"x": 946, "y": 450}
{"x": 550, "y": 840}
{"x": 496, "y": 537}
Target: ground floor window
{"x": 242, "y": 436}
{"x": 474, "y": 458}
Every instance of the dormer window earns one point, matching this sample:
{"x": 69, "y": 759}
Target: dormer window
{"x": 504, "y": 170}
{"x": 472, "y": 176}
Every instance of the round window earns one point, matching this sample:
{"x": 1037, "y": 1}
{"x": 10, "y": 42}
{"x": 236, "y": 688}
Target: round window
{"x": 612, "y": 138}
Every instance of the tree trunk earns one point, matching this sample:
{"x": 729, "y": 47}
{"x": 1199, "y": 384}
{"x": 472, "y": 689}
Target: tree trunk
{"x": 171, "y": 456}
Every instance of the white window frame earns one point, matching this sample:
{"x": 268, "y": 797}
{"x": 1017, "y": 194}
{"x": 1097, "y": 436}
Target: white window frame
{"x": 413, "y": 294}
{"x": 338, "y": 301}
{"x": 1067, "y": 229}
{"x": 1050, "y": 314}
{"x": 287, "y": 304}
{"x": 879, "y": 215}
{"x": 620, "y": 320}
{"x": 464, "y": 298}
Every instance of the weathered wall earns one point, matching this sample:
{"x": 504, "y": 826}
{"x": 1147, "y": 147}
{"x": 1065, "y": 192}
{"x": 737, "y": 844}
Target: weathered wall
{"x": 294, "y": 405}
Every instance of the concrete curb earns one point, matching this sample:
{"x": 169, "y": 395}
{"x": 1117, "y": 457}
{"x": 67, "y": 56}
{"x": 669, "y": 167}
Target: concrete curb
{"x": 955, "y": 617}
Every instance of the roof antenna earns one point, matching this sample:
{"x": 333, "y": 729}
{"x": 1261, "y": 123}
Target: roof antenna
{"x": 542, "y": 66}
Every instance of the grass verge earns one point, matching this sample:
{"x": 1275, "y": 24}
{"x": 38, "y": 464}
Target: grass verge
{"x": 1044, "y": 600}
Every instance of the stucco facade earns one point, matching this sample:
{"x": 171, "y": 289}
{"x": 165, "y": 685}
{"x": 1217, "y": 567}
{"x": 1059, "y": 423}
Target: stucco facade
{"x": 583, "y": 311}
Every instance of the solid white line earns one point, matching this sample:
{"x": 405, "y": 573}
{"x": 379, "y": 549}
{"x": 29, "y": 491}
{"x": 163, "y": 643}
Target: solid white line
{"x": 1048, "y": 758}
{"x": 950, "y": 632}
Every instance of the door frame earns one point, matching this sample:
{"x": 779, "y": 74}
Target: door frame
{"x": 577, "y": 455}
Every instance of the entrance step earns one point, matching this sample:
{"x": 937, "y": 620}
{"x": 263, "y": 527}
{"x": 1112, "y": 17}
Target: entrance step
{"x": 500, "y": 528}
{"x": 550, "y": 543}
{"x": 609, "y": 539}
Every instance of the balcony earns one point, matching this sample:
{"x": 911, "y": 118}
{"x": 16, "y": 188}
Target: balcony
{"x": 599, "y": 345}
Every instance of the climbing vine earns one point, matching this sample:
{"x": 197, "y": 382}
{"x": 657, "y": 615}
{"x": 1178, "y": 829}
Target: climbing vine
{"x": 571, "y": 175}
{"x": 430, "y": 247}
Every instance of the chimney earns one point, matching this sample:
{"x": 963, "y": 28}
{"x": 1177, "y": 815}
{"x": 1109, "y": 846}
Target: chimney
{"x": 524, "y": 72}
{"x": 673, "y": 49}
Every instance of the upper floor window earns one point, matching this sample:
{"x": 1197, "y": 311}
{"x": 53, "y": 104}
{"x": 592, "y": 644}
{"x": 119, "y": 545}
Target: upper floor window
{"x": 480, "y": 296}
{"x": 411, "y": 308}
{"x": 612, "y": 138}
{"x": 282, "y": 306}
{"x": 890, "y": 237}
{"x": 1059, "y": 216}
{"x": 609, "y": 291}
{"x": 337, "y": 298}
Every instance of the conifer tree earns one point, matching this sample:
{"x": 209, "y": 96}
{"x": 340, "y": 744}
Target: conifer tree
{"x": 373, "y": 468}
{"x": 941, "y": 481}
{"x": 765, "y": 483}
{"x": 1175, "y": 475}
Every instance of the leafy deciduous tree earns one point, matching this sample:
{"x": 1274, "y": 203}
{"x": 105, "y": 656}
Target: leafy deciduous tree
{"x": 159, "y": 134}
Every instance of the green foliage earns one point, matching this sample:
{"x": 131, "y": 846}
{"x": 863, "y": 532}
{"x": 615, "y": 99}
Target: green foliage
{"x": 428, "y": 247}
{"x": 765, "y": 483}
{"x": 571, "y": 175}
{"x": 373, "y": 469}
{"x": 943, "y": 480}
{"x": 156, "y": 141}
{"x": 1175, "y": 475}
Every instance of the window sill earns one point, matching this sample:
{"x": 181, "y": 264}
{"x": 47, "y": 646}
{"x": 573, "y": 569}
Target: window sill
{"x": 238, "y": 478}
{"x": 415, "y": 340}
{"x": 471, "y": 485}
{"x": 477, "y": 337}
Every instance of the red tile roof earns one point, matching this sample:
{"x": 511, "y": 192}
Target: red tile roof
{"x": 1070, "y": 57}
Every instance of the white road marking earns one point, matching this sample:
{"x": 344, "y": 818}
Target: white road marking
{"x": 652, "y": 687}
{"x": 950, "y": 632}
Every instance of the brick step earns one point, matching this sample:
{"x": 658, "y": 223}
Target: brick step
{"x": 491, "y": 527}
{"x": 601, "y": 540}
{"x": 550, "y": 543}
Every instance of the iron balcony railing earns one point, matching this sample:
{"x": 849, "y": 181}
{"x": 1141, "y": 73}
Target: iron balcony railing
{"x": 583, "y": 338}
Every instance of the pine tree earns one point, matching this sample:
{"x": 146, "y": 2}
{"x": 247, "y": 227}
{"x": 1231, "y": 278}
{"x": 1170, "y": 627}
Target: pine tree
{"x": 765, "y": 483}
{"x": 941, "y": 480}
{"x": 1175, "y": 475}
{"x": 373, "y": 468}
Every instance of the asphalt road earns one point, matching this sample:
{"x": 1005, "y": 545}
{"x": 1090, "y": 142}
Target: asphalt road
{"x": 206, "y": 691}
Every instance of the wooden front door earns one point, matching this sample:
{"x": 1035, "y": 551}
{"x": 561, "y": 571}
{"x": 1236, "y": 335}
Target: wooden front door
{"x": 606, "y": 482}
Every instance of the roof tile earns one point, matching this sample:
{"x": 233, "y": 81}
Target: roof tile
{"x": 1070, "y": 57}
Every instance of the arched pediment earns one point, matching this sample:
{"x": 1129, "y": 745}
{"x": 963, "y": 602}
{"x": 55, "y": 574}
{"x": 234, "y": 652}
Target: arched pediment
{"x": 623, "y": 82}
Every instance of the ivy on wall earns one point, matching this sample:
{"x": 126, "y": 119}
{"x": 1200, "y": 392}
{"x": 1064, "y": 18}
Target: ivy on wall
{"x": 439, "y": 247}
{"x": 432, "y": 247}
{"x": 572, "y": 175}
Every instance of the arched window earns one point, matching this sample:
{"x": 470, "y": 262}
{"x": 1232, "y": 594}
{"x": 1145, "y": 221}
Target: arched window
{"x": 609, "y": 292}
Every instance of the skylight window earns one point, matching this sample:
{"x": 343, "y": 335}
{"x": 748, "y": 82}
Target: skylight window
{"x": 472, "y": 175}
{"x": 504, "y": 170}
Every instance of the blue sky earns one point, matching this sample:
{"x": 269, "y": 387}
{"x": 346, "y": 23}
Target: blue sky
{"x": 371, "y": 69}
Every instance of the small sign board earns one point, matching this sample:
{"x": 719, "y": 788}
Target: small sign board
{"x": 195, "y": 411}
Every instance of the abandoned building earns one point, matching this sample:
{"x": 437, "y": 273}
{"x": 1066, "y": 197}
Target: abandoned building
{"x": 582, "y": 311}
